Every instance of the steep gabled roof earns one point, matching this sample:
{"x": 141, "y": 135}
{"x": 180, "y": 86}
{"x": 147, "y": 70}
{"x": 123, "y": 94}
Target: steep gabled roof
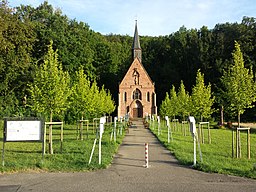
{"x": 142, "y": 71}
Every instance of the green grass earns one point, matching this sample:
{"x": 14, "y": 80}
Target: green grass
{"x": 217, "y": 156}
{"x": 27, "y": 156}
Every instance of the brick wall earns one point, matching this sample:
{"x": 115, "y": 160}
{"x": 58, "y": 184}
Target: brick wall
{"x": 136, "y": 92}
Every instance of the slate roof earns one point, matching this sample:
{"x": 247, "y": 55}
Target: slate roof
{"x": 136, "y": 41}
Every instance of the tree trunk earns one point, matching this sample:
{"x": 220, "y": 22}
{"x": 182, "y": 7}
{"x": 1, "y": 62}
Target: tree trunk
{"x": 238, "y": 118}
{"x": 50, "y": 136}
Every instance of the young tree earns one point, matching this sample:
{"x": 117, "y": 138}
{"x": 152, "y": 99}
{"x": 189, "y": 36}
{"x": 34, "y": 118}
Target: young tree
{"x": 239, "y": 86}
{"x": 183, "y": 100}
{"x": 164, "y": 111}
{"x": 173, "y": 107}
{"x": 81, "y": 95}
{"x": 50, "y": 89}
{"x": 169, "y": 104}
{"x": 201, "y": 98}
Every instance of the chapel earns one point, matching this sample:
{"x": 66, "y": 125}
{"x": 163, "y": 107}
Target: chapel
{"x": 136, "y": 97}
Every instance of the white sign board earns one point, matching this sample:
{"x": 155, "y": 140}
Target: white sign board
{"x": 167, "y": 120}
{"x": 102, "y": 122}
{"x": 158, "y": 119}
{"x": 192, "y": 121}
{"x": 23, "y": 130}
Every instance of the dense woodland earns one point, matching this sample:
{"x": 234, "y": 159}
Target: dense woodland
{"x": 26, "y": 32}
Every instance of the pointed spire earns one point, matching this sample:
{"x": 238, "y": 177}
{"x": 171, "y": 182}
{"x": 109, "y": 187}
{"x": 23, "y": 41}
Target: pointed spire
{"x": 136, "y": 49}
{"x": 136, "y": 40}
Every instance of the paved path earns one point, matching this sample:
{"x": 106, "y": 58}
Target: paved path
{"x": 128, "y": 174}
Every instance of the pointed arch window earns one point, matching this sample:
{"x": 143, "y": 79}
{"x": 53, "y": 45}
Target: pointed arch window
{"x": 148, "y": 96}
{"x": 137, "y": 94}
{"x": 125, "y": 96}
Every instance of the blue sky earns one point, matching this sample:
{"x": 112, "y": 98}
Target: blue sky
{"x": 155, "y": 17}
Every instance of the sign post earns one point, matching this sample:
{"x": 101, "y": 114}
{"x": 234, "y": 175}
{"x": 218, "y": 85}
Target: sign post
{"x": 101, "y": 131}
{"x": 192, "y": 124}
{"x": 168, "y": 128}
{"x": 23, "y": 130}
{"x": 102, "y": 122}
{"x": 158, "y": 125}
{"x": 115, "y": 120}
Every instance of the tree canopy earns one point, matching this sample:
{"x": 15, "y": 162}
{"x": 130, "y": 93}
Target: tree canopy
{"x": 239, "y": 85}
{"x": 25, "y": 33}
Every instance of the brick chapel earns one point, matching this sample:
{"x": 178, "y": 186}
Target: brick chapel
{"x": 136, "y": 97}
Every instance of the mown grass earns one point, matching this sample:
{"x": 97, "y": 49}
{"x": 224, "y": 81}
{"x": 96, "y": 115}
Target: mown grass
{"x": 27, "y": 156}
{"x": 217, "y": 156}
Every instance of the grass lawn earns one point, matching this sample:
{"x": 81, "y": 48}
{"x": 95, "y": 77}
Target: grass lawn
{"x": 27, "y": 156}
{"x": 217, "y": 156}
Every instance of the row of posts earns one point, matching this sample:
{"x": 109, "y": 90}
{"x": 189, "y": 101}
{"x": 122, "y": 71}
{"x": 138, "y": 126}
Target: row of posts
{"x": 199, "y": 135}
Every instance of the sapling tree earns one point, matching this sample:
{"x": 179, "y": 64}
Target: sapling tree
{"x": 164, "y": 110}
{"x": 183, "y": 101}
{"x": 201, "y": 98}
{"x": 169, "y": 104}
{"x": 87, "y": 99}
{"x": 239, "y": 86}
{"x": 50, "y": 89}
{"x": 81, "y": 96}
{"x": 173, "y": 107}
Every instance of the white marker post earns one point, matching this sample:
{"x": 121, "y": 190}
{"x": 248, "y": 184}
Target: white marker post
{"x": 115, "y": 120}
{"x": 101, "y": 130}
{"x": 192, "y": 124}
{"x": 159, "y": 124}
{"x": 102, "y": 122}
{"x": 168, "y": 128}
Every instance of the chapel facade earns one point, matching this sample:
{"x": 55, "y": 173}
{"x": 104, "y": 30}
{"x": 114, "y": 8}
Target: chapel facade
{"x": 136, "y": 97}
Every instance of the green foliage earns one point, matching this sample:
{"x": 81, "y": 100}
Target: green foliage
{"x": 87, "y": 100}
{"x": 239, "y": 85}
{"x": 26, "y": 31}
{"x": 164, "y": 107}
{"x": 183, "y": 101}
{"x": 169, "y": 106}
{"x": 201, "y": 98}
{"x": 51, "y": 86}
{"x": 16, "y": 41}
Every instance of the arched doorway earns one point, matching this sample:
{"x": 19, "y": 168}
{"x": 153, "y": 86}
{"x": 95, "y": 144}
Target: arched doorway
{"x": 137, "y": 109}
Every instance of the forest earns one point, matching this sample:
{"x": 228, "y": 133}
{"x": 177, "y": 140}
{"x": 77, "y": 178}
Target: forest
{"x": 26, "y": 32}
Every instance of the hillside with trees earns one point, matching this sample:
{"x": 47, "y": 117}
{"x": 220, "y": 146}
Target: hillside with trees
{"x": 26, "y": 33}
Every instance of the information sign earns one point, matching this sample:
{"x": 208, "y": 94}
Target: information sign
{"x": 27, "y": 130}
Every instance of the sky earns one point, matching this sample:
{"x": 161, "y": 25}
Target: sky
{"x": 155, "y": 17}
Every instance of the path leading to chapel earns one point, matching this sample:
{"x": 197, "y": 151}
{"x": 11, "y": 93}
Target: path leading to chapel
{"x": 128, "y": 174}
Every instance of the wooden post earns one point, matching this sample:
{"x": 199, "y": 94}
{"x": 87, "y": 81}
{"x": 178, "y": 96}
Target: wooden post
{"x": 233, "y": 141}
{"x": 209, "y": 134}
{"x": 44, "y": 137}
{"x": 50, "y": 136}
{"x": 81, "y": 128}
{"x": 202, "y": 133}
{"x": 237, "y": 143}
{"x": 87, "y": 129}
{"x": 248, "y": 144}
{"x": 61, "y": 137}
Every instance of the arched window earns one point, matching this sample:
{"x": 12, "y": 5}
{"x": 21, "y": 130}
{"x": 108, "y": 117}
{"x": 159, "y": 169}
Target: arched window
{"x": 148, "y": 96}
{"x": 125, "y": 96}
{"x": 137, "y": 94}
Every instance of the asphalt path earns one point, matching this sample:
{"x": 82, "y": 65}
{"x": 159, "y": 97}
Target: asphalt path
{"x": 128, "y": 173}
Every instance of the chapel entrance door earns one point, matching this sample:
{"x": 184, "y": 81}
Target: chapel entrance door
{"x": 138, "y": 110}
